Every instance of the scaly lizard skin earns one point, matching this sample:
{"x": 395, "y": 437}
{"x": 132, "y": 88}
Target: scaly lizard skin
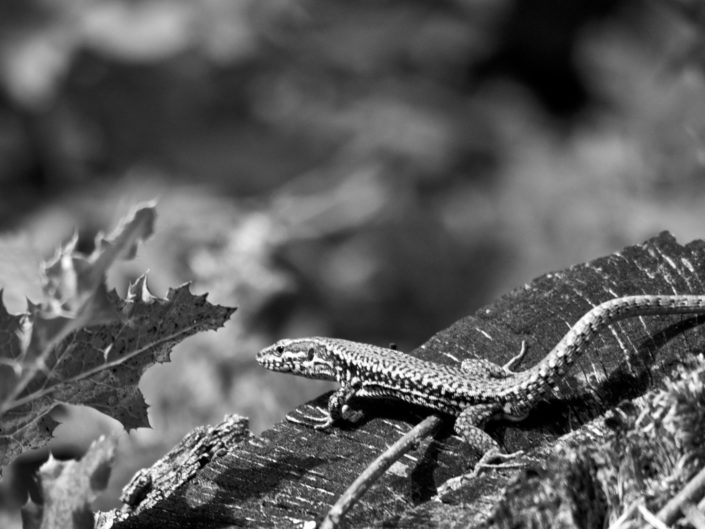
{"x": 474, "y": 392}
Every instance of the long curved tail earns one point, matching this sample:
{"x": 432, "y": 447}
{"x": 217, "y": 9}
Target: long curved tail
{"x": 537, "y": 379}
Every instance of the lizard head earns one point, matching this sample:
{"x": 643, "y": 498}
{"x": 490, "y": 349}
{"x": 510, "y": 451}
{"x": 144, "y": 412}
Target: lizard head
{"x": 308, "y": 357}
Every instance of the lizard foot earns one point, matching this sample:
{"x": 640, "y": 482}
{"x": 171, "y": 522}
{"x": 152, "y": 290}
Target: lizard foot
{"x": 351, "y": 415}
{"x": 319, "y": 423}
{"x": 508, "y": 367}
{"x": 485, "y": 462}
{"x": 327, "y": 419}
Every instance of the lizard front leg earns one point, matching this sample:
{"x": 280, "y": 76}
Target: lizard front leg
{"x": 338, "y": 409}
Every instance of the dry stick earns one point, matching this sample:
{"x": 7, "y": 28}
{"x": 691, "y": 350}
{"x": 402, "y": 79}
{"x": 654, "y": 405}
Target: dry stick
{"x": 694, "y": 515}
{"x": 650, "y": 518}
{"x": 619, "y": 522}
{"x": 378, "y": 467}
{"x": 692, "y": 492}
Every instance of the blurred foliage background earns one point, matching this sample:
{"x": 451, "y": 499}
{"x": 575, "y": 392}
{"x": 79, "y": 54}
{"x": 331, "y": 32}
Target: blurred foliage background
{"x": 370, "y": 170}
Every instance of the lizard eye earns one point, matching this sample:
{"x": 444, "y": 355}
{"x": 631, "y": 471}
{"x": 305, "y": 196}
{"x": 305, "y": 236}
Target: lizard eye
{"x": 309, "y": 354}
{"x": 280, "y": 349}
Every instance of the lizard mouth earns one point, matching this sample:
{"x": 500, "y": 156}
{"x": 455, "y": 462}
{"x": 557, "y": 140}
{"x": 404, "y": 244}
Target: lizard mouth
{"x": 264, "y": 359}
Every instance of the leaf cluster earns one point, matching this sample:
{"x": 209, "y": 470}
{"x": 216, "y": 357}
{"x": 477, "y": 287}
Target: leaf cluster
{"x": 82, "y": 344}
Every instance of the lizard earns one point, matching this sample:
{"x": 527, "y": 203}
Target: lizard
{"x": 476, "y": 391}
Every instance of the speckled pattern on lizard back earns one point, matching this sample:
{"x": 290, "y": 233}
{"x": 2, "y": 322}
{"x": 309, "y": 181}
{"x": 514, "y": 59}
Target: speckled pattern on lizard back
{"x": 476, "y": 391}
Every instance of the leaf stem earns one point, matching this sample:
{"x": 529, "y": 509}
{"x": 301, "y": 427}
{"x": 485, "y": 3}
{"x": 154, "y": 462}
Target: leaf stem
{"x": 46, "y": 391}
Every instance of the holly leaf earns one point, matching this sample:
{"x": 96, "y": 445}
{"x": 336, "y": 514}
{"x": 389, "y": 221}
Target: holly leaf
{"x": 74, "y": 284}
{"x": 10, "y": 349}
{"x": 100, "y": 366}
{"x": 84, "y": 345}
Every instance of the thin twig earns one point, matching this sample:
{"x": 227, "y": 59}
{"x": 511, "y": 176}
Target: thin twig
{"x": 694, "y": 515}
{"x": 617, "y": 524}
{"x": 378, "y": 467}
{"x": 692, "y": 492}
{"x": 651, "y": 518}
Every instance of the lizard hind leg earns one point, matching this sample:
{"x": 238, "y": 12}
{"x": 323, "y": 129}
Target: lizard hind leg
{"x": 483, "y": 369}
{"x": 469, "y": 426}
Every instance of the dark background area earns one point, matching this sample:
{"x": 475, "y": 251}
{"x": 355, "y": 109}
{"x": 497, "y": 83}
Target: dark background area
{"x": 369, "y": 170}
